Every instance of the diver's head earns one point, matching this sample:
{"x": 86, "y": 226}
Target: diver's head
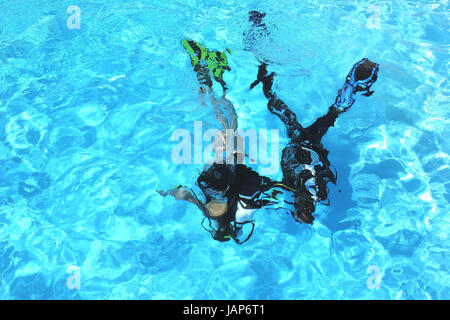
{"x": 215, "y": 182}
{"x": 304, "y": 208}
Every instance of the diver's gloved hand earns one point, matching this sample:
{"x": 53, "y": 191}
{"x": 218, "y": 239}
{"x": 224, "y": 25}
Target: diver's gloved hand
{"x": 178, "y": 192}
{"x": 262, "y": 73}
{"x": 267, "y": 80}
{"x": 304, "y": 207}
{"x": 363, "y": 75}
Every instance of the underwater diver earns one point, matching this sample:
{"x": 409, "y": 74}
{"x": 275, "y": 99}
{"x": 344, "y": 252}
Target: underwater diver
{"x": 230, "y": 191}
{"x": 304, "y": 161}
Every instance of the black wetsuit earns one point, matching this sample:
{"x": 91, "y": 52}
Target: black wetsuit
{"x": 304, "y": 160}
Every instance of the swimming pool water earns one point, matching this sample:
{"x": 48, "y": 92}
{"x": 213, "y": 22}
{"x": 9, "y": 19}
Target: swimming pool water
{"x": 86, "y": 117}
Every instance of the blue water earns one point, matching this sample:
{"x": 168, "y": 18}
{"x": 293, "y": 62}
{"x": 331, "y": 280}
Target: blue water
{"x": 86, "y": 117}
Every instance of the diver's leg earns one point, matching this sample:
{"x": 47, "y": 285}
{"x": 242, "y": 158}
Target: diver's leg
{"x": 282, "y": 111}
{"x": 277, "y": 106}
{"x": 199, "y": 54}
{"x": 225, "y": 110}
{"x": 220, "y": 145}
{"x": 204, "y": 80}
{"x": 228, "y": 139}
{"x": 220, "y": 114}
{"x": 222, "y": 83}
{"x": 238, "y": 141}
{"x": 360, "y": 78}
{"x": 218, "y": 64}
{"x": 319, "y": 128}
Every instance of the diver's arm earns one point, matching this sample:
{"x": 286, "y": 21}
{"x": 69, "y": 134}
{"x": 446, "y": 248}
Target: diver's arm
{"x": 182, "y": 193}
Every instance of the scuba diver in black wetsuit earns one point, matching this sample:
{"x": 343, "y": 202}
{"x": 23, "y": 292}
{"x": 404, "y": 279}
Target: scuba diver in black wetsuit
{"x": 304, "y": 161}
{"x": 225, "y": 187}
